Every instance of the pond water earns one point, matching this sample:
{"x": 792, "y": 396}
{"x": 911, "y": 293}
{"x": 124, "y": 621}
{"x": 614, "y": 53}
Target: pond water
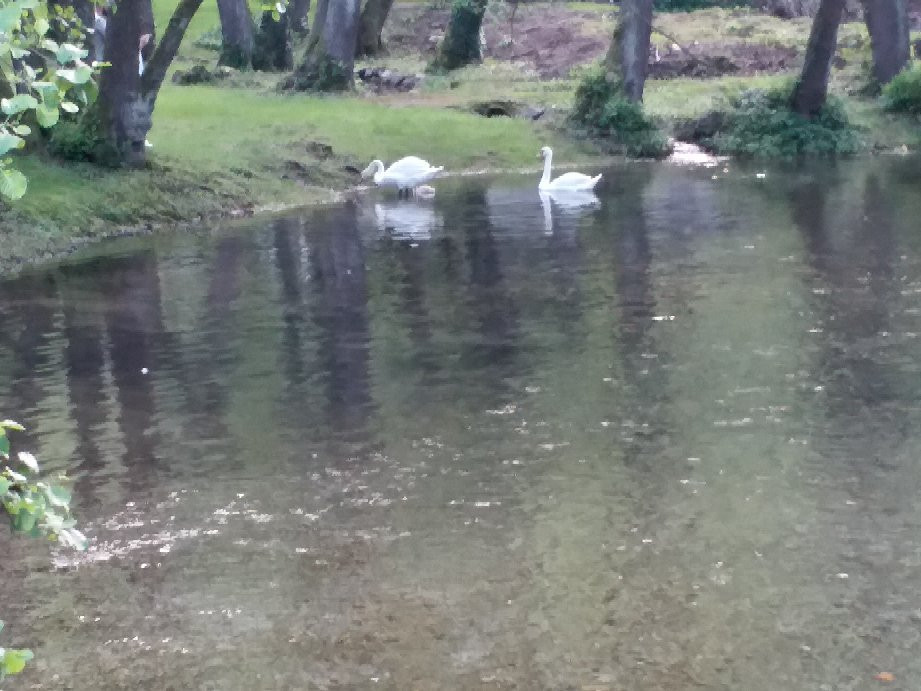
{"x": 667, "y": 439}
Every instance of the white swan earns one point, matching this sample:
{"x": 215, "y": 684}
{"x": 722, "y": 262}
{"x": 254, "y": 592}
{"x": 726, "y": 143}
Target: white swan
{"x": 567, "y": 181}
{"x": 405, "y": 174}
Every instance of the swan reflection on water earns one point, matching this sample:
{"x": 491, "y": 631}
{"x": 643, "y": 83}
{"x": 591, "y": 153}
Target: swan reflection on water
{"x": 407, "y": 220}
{"x": 566, "y": 204}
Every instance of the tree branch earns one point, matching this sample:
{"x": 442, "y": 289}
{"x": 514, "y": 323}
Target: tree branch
{"x": 155, "y": 71}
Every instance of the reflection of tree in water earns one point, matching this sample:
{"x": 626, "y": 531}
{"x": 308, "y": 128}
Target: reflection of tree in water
{"x": 338, "y": 274}
{"x": 27, "y": 313}
{"x": 491, "y": 309}
{"x": 84, "y": 330}
{"x": 130, "y": 291}
{"x": 865, "y": 427}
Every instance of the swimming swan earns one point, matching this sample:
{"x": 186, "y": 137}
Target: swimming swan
{"x": 567, "y": 181}
{"x": 405, "y": 174}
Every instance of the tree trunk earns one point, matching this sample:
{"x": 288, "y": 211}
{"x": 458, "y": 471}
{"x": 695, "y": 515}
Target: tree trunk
{"x": 236, "y": 33}
{"x": 297, "y": 16}
{"x": 887, "y": 23}
{"x": 272, "y": 51}
{"x": 628, "y": 56}
{"x": 122, "y": 113}
{"x": 461, "y": 44}
{"x": 370, "y": 27}
{"x": 812, "y": 88}
{"x": 329, "y": 60}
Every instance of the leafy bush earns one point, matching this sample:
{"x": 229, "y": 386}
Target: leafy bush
{"x": 602, "y": 108}
{"x": 35, "y": 508}
{"x": 41, "y": 79}
{"x": 761, "y": 124}
{"x": 81, "y": 140}
{"x": 903, "y": 93}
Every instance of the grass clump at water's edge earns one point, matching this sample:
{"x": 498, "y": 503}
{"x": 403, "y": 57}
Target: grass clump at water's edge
{"x": 903, "y": 93}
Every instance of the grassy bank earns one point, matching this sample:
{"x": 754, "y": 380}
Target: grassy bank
{"x": 242, "y": 146}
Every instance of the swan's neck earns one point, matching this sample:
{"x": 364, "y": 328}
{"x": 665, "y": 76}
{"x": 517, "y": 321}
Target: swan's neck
{"x": 378, "y": 171}
{"x": 545, "y": 180}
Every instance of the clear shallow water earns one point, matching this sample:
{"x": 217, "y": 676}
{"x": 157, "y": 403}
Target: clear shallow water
{"x": 668, "y": 441}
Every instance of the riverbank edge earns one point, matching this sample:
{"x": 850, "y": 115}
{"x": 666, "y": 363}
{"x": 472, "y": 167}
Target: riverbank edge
{"x": 67, "y": 243}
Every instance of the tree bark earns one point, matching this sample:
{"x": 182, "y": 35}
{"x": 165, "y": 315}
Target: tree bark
{"x": 628, "y": 56}
{"x": 887, "y": 23}
{"x": 329, "y": 61}
{"x": 461, "y": 44}
{"x": 370, "y": 26}
{"x": 812, "y": 88}
{"x": 122, "y": 113}
{"x": 236, "y": 33}
{"x": 273, "y": 46}
{"x": 297, "y": 16}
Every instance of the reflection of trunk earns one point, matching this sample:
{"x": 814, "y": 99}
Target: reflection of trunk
{"x": 122, "y": 113}
{"x": 297, "y": 15}
{"x": 134, "y": 319}
{"x": 812, "y": 87}
{"x": 329, "y": 60}
{"x": 339, "y": 274}
{"x": 887, "y": 22}
{"x": 628, "y": 55}
{"x": 272, "y": 52}
{"x": 85, "y": 357}
{"x": 461, "y": 44}
{"x": 236, "y": 33}
{"x": 371, "y": 25}
{"x": 28, "y": 314}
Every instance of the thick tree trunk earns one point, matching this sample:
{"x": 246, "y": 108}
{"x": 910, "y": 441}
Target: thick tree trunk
{"x": 122, "y": 113}
{"x": 461, "y": 44}
{"x": 628, "y": 56}
{"x": 812, "y": 88}
{"x": 236, "y": 33}
{"x": 373, "y": 16}
{"x": 887, "y": 23}
{"x": 329, "y": 60}
{"x": 272, "y": 51}
{"x": 297, "y": 16}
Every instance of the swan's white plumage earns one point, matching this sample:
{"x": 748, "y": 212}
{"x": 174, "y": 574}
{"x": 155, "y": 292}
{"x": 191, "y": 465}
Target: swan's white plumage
{"x": 406, "y": 174}
{"x": 566, "y": 181}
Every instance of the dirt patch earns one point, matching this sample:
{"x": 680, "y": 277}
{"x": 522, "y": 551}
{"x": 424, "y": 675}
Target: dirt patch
{"x": 715, "y": 60}
{"x": 548, "y": 41}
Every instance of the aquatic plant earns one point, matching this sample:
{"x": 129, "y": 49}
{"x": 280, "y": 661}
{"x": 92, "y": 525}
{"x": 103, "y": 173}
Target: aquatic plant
{"x": 36, "y": 508}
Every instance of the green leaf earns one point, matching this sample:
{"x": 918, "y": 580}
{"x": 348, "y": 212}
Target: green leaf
{"x": 47, "y": 116}
{"x": 68, "y": 52}
{"x": 22, "y": 131}
{"x": 4, "y": 440}
{"x": 14, "y": 661}
{"x": 69, "y": 106}
{"x": 17, "y": 104}
{"x": 12, "y": 424}
{"x": 41, "y": 26}
{"x": 18, "y": 53}
{"x": 8, "y": 142}
{"x": 78, "y": 75}
{"x": 58, "y": 496}
{"x": 4, "y": 485}
{"x": 12, "y": 186}
{"x": 25, "y": 521}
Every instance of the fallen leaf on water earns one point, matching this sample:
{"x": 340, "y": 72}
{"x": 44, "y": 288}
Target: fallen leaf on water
{"x": 885, "y": 676}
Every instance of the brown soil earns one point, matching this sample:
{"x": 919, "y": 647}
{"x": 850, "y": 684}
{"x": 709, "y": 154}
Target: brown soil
{"x": 549, "y": 41}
